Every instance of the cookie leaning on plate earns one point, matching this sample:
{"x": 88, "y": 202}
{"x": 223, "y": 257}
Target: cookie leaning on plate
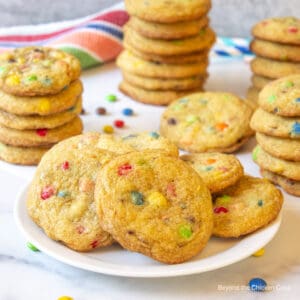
{"x": 154, "y": 204}
{"x": 162, "y": 11}
{"x": 250, "y": 204}
{"x": 32, "y": 71}
{"x": 207, "y": 122}
{"x": 217, "y": 170}
{"x": 61, "y": 196}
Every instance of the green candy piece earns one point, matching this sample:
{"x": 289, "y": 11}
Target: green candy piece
{"x": 289, "y": 84}
{"x": 111, "y": 98}
{"x": 202, "y": 31}
{"x": 191, "y": 119}
{"x": 224, "y": 199}
{"x": 185, "y": 231}
{"x": 272, "y": 98}
{"x": 2, "y": 69}
{"x": 32, "y": 78}
{"x": 32, "y": 247}
{"x": 255, "y": 153}
{"x": 260, "y": 202}
{"x": 137, "y": 198}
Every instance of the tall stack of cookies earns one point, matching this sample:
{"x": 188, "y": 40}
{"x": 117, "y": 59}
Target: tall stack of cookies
{"x": 40, "y": 100}
{"x": 166, "y": 49}
{"x": 277, "y": 126}
{"x": 277, "y": 46}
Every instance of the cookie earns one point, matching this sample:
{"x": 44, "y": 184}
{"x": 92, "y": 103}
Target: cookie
{"x": 136, "y": 142}
{"x": 41, "y": 136}
{"x": 252, "y": 95}
{"x": 245, "y": 207}
{"x": 36, "y": 121}
{"x": 275, "y": 125}
{"x": 217, "y": 170}
{"x": 61, "y": 195}
{"x": 22, "y": 155}
{"x": 290, "y": 169}
{"x": 156, "y": 84}
{"x": 259, "y": 82}
{"x": 32, "y": 71}
{"x": 42, "y": 106}
{"x": 200, "y": 42}
{"x": 273, "y": 69}
{"x": 207, "y": 122}
{"x": 154, "y": 204}
{"x": 282, "y": 97}
{"x": 152, "y": 97}
{"x": 171, "y": 59}
{"x": 132, "y": 64}
{"x": 167, "y": 31}
{"x": 287, "y": 149}
{"x": 163, "y": 11}
{"x": 289, "y": 185}
{"x": 285, "y": 30}
{"x": 275, "y": 50}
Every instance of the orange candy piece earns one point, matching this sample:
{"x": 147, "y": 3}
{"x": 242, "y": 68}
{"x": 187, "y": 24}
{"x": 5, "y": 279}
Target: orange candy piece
{"x": 221, "y": 126}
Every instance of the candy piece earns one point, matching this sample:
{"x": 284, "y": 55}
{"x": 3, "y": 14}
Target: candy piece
{"x": 289, "y": 84}
{"x": 210, "y": 161}
{"x": 108, "y": 129}
{"x": 257, "y": 284}
{"x": 297, "y": 100}
{"x": 101, "y": 111}
{"x": 154, "y": 134}
{"x": 42, "y": 131}
{"x": 124, "y": 169}
{"x": 62, "y": 194}
{"x": 191, "y": 119}
{"x": 209, "y": 168}
{"x": 65, "y": 298}
{"x": 260, "y": 202}
{"x": 47, "y": 192}
{"x": 259, "y": 252}
{"x": 127, "y": 112}
{"x": 31, "y": 78}
{"x": 65, "y": 165}
{"x": 47, "y": 81}
{"x": 293, "y": 29}
{"x": 296, "y": 128}
{"x": 32, "y": 247}
{"x": 157, "y": 199}
{"x": 220, "y": 209}
{"x": 94, "y": 244}
{"x": 119, "y": 123}
{"x": 137, "y": 198}
{"x": 185, "y": 231}
{"x": 44, "y": 105}
{"x": 172, "y": 121}
{"x": 13, "y": 80}
{"x": 272, "y": 98}
{"x": 255, "y": 153}
{"x": 221, "y": 126}
{"x": 111, "y": 98}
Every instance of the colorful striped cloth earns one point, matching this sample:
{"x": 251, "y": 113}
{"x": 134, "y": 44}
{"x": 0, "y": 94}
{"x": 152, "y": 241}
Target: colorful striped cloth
{"x": 96, "y": 39}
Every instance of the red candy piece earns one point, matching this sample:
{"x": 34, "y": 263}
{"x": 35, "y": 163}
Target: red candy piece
{"x": 94, "y": 244}
{"x": 42, "y": 131}
{"x": 65, "y": 165}
{"x": 124, "y": 170}
{"x": 220, "y": 209}
{"x": 119, "y": 123}
{"x": 171, "y": 190}
{"x": 47, "y": 192}
{"x": 293, "y": 29}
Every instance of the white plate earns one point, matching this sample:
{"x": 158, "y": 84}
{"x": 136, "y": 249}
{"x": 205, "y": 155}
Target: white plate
{"x": 115, "y": 261}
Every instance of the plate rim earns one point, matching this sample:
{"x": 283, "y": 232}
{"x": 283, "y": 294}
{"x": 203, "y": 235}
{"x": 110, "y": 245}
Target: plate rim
{"x": 171, "y": 270}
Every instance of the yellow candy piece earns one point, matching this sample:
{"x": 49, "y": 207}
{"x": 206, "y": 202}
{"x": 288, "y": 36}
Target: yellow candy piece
{"x": 44, "y": 105}
{"x": 65, "y": 298}
{"x": 258, "y": 253}
{"x": 21, "y": 60}
{"x": 108, "y": 129}
{"x": 157, "y": 199}
{"x": 13, "y": 80}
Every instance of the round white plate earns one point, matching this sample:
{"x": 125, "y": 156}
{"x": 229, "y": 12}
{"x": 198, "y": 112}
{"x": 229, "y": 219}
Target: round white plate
{"x": 115, "y": 261}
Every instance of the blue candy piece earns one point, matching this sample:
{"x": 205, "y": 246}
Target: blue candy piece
{"x": 297, "y": 100}
{"x": 127, "y": 112}
{"x": 257, "y": 284}
{"x": 296, "y": 128}
{"x": 154, "y": 134}
{"x": 62, "y": 194}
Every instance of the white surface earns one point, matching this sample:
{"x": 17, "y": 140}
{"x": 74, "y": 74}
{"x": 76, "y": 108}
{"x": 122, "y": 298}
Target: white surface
{"x": 114, "y": 260}
{"x": 35, "y": 276}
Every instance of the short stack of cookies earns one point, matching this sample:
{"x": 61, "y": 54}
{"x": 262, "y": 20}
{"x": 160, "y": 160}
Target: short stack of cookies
{"x": 166, "y": 49}
{"x": 277, "y": 46}
{"x": 40, "y": 100}
{"x": 277, "y": 123}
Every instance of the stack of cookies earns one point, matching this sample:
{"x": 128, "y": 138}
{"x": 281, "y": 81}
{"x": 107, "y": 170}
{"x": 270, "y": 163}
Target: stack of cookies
{"x": 40, "y": 100}
{"x": 277, "y": 123}
{"x": 166, "y": 49}
{"x": 277, "y": 46}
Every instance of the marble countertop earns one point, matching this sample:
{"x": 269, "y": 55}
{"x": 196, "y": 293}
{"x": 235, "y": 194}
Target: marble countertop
{"x": 34, "y": 275}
